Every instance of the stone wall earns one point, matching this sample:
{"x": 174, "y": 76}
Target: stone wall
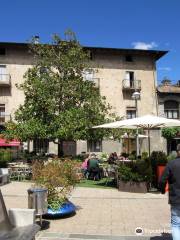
{"x": 111, "y": 70}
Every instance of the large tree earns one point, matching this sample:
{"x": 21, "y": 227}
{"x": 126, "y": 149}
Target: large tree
{"x": 59, "y": 104}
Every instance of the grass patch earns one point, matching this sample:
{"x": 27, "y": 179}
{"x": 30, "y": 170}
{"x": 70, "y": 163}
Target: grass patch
{"x": 103, "y": 183}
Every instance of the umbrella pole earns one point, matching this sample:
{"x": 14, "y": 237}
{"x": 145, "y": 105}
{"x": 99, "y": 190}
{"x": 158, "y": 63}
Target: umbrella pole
{"x": 149, "y": 142}
{"x": 128, "y": 143}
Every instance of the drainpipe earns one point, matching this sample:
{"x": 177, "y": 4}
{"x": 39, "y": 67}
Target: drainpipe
{"x": 155, "y": 86}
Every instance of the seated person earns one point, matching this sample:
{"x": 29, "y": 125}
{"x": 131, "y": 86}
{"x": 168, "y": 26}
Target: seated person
{"x": 115, "y": 156}
{"x": 111, "y": 158}
{"x": 93, "y": 167}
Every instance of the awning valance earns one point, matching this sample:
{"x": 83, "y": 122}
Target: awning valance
{"x": 7, "y": 143}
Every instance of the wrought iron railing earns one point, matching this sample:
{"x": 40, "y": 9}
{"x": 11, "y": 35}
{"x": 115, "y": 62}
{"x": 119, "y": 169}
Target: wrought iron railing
{"x": 131, "y": 84}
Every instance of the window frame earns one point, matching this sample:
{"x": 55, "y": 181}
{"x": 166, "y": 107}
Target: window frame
{"x": 92, "y": 145}
{"x": 2, "y": 116}
{"x": 171, "y": 109}
{"x": 131, "y": 114}
{"x": 41, "y": 145}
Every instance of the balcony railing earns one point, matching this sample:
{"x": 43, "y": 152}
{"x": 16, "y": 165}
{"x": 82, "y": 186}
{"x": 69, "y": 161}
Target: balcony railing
{"x": 4, "y": 118}
{"x": 131, "y": 84}
{"x": 5, "y": 79}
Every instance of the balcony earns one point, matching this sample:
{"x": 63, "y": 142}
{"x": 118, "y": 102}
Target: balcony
{"x": 4, "y": 118}
{"x": 131, "y": 84}
{"x": 5, "y": 80}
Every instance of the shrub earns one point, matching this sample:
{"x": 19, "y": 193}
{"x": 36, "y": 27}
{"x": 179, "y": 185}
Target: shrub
{"x": 5, "y": 157}
{"x": 136, "y": 172}
{"x": 104, "y": 156}
{"x": 144, "y": 155}
{"x": 58, "y": 176}
{"x": 144, "y": 168}
{"x": 158, "y": 158}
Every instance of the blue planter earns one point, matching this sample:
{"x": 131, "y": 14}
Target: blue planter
{"x": 66, "y": 209}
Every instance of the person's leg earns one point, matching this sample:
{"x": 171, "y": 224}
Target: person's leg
{"x": 175, "y": 222}
{"x": 86, "y": 173}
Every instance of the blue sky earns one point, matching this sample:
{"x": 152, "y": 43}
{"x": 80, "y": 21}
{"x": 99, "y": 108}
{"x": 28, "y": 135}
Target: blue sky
{"x": 150, "y": 24}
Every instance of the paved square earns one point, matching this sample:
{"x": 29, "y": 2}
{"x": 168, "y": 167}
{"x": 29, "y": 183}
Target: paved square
{"x": 101, "y": 212}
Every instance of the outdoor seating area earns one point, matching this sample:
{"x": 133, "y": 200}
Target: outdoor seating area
{"x": 19, "y": 170}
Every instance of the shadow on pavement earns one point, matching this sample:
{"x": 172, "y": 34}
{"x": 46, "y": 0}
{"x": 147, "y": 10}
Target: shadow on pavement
{"x": 165, "y": 236}
{"x": 45, "y": 224}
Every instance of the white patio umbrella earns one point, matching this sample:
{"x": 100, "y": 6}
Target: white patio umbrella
{"x": 147, "y": 122}
{"x": 132, "y": 136}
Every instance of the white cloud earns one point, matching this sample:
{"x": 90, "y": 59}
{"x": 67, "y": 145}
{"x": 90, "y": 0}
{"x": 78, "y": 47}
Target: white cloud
{"x": 164, "y": 69}
{"x": 144, "y": 46}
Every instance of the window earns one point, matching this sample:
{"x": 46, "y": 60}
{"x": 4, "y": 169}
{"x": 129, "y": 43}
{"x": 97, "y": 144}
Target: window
{"x": 128, "y": 58}
{"x": 95, "y": 146}
{"x": 130, "y": 79}
{"x": 2, "y": 113}
{"x": 2, "y": 51}
{"x": 3, "y": 72}
{"x": 130, "y": 113}
{"x": 171, "y": 109}
{"x": 41, "y": 145}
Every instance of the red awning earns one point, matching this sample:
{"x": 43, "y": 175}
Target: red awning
{"x": 6, "y": 143}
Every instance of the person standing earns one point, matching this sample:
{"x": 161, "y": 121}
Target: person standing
{"x": 171, "y": 175}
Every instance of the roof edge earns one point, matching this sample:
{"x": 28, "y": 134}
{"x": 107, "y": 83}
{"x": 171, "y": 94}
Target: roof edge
{"x": 156, "y": 53}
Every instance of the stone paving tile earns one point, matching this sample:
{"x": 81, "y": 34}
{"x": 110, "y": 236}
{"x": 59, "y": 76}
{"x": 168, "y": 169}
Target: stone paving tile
{"x": 102, "y": 211}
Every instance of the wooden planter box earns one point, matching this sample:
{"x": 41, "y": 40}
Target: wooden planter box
{"x": 136, "y": 187}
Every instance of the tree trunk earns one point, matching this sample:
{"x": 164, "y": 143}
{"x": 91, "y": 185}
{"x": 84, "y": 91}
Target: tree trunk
{"x": 60, "y": 148}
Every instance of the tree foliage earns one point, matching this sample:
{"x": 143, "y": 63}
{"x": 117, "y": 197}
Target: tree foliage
{"x": 170, "y": 132}
{"x": 59, "y": 103}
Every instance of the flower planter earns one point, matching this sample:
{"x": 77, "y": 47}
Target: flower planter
{"x": 136, "y": 187}
{"x": 160, "y": 170}
{"x": 66, "y": 209}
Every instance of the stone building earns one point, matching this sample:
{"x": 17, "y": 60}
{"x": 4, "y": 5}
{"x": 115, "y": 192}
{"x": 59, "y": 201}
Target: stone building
{"x": 120, "y": 72}
{"x": 169, "y": 105}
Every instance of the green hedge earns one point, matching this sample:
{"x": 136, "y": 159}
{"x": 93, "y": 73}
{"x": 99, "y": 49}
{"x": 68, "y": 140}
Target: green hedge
{"x": 5, "y": 157}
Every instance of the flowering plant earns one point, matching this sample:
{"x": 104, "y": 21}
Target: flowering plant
{"x": 58, "y": 176}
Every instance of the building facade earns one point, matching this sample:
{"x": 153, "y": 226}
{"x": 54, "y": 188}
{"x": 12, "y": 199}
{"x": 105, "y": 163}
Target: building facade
{"x": 169, "y": 106}
{"x": 117, "y": 72}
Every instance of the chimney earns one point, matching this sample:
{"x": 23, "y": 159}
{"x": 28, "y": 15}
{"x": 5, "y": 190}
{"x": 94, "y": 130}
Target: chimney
{"x": 36, "y": 39}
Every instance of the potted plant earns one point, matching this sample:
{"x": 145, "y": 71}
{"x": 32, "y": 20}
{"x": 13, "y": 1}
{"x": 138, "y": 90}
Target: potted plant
{"x": 158, "y": 161}
{"x": 134, "y": 177}
{"x": 58, "y": 177}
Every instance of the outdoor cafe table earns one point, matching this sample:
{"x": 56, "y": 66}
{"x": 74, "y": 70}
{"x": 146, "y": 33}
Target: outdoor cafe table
{"x": 20, "y": 171}
{"x": 109, "y": 170}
